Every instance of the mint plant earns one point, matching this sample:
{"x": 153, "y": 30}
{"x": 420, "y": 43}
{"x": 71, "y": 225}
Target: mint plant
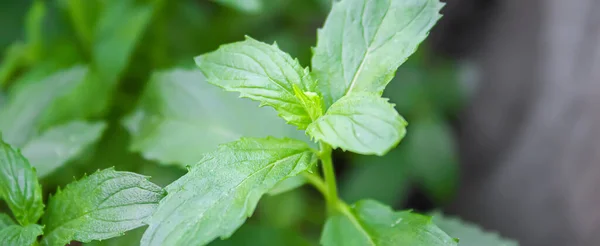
{"x": 63, "y": 97}
{"x": 339, "y": 104}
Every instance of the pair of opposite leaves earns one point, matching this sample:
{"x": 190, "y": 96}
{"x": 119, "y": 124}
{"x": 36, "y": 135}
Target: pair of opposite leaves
{"x": 358, "y": 51}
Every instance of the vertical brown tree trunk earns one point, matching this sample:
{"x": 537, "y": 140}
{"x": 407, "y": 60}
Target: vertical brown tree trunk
{"x": 530, "y": 138}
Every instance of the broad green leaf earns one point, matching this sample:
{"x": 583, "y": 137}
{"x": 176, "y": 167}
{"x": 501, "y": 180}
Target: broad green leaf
{"x": 362, "y": 123}
{"x": 250, "y": 6}
{"x": 104, "y": 205}
{"x": 5, "y": 221}
{"x": 60, "y": 144}
{"x": 363, "y": 43}
{"x": 19, "y": 186}
{"x": 260, "y": 72}
{"x": 180, "y": 117}
{"x": 16, "y": 235}
{"x": 21, "y": 115}
{"x": 217, "y": 195}
{"x": 469, "y": 234}
{"x": 118, "y": 30}
{"x": 372, "y": 223}
{"x": 261, "y": 235}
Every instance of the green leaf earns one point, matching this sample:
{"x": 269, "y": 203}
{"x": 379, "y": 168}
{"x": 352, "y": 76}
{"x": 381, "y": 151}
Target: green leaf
{"x": 371, "y": 223}
{"x": 19, "y": 186}
{"x": 180, "y": 117}
{"x": 12, "y": 60}
{"x": 217, "y": 195}
{"x": 104, "y": 205}
{"x": 33, "y": 28}
{"x": 249, "y": 6}
{"x": 5, "y": 221}
{"x": 118, "y": 30}
{"x": 363, "y": 43}
{"x": 362, "y": 123}
{"x": 26, "y": 104}
{"x": 260, "y": 72}
{"x": 469, "y": 234}
{"x": 261, "y": 235}
{"x": 16, "y": 235}
{"x": 60, "y": 144}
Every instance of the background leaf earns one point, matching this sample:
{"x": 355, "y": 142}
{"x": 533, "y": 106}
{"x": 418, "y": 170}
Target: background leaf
{"x": 217, "y": 195}
{"x": 363, "y": 43}
{"x": 259, "y": 235}
{"x": 16, "y": 235}
{"x": 60, "y": 144}
{"x": 21, "y": 115}
{"x": 260, "y": 72}
{"x": 372, "y": 223}
{"x": 382, "y": 178}
{"x": 469, "y": 234}
{"x": 5, "y": 221}
{"x": 19, "y": 186}
{"x": 361, "y": 123}
{"x": 180, "y": 117}
{"x": 250, "y": 6}
{"x": 101, "y": 206}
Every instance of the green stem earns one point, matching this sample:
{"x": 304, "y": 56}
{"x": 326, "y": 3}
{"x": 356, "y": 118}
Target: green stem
{"x": 316, "y": 181}
{"x": 330, "y": 182}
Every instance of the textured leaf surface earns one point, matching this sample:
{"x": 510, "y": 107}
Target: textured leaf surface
{"x": 222, "y": 190}
{"x": 5, "y": 221}
{"x": 469, "y": 234}
{"x": 372, "y": 223}
{"x": 362, "y": 123}
{"x": 20, "y": 117}
{"x": 363, "y": 43}
{"x": 260, "y": 72}
{"x": 19, "y": 186}
{"x": 16, "y": 235}
{"x": 181, "y": 117}
{"x": 101, "y": 206}
{"x": 61, "y": 144}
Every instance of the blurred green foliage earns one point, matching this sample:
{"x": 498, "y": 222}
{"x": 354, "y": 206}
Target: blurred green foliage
{"x": 111, "y": 61}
